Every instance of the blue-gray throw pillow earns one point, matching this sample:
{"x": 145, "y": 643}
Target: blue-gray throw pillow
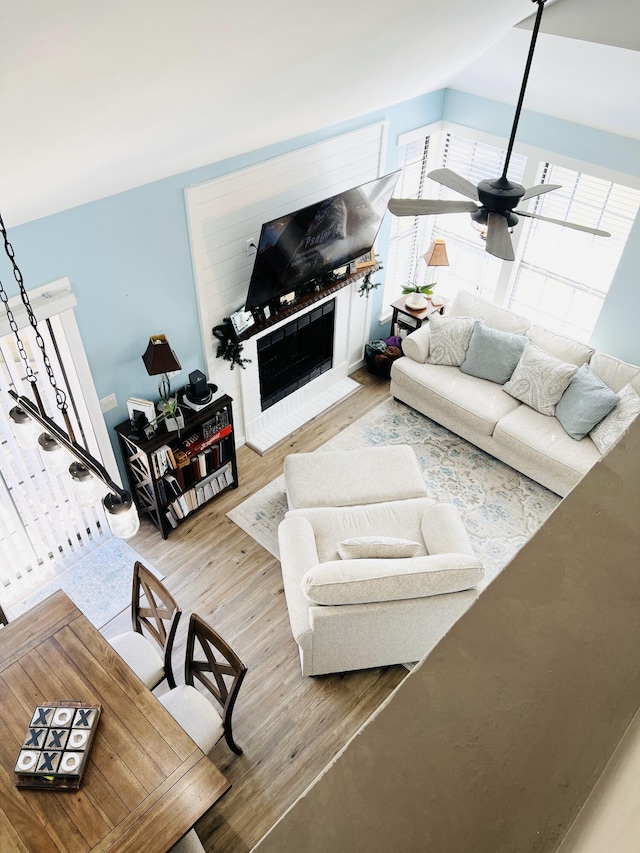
{"x": 493, "y": 354}
{"x": 585, "y": 403}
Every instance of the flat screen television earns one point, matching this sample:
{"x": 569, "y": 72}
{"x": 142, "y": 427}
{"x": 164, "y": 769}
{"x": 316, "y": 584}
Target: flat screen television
{"x": 304, "y": 246}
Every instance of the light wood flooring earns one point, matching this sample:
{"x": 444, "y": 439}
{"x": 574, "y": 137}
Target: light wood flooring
{"x": 289, "y": 727}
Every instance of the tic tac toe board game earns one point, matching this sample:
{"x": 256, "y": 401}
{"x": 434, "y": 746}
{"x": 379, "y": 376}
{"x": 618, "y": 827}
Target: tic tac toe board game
{"x": 56, "y": 745}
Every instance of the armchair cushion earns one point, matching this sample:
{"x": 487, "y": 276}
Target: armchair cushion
{"x": 387, "y": 547}
{"x": 366, "y": 581}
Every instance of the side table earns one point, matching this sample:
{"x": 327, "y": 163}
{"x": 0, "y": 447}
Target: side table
{"x": 405, "y": 320}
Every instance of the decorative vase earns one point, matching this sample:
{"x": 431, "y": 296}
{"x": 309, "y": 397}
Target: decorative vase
{"x": 175, "y": 424}
{"x": 416, "y": 301}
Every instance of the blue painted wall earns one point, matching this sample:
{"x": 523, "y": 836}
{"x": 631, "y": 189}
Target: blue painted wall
{"x": 129, "y": 262}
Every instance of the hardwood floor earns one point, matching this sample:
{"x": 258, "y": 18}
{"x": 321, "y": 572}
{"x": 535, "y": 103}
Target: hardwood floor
{"x": 289, "y": 727}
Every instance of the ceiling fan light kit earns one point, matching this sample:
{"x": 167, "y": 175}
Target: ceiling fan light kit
{"x": 493, "y": 201}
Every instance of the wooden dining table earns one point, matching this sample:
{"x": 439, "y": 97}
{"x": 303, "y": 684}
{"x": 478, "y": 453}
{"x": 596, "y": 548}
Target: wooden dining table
{"x": 145, "y": 782}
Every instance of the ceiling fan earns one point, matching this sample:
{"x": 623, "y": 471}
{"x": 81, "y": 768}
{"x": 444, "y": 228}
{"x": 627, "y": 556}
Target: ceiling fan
{"x": 493, "y": 202}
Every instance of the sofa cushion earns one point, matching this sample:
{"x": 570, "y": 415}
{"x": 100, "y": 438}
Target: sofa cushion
{"x": 330, "y": 525}
{"x": 454, "y": 397}
{"x": 383, "y": 547}
{"x": 348, "y": 477}
{"x": 365, "y": 581}
{"x": 609, "y": 430}
{"x": 540, "y": 444}
{"x": 540, "y": 379}
{"x": 468, "y": 304}
{"x": 566, "y": 349}
{"x": 615, "y": 373}
{"x": 493, "y": 354}
{"x": 449, "y": 339}
{"x": 585, "y": 403}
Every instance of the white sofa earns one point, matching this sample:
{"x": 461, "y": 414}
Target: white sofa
{"x": 360, "y": 604}
{"x": 348, "y": 614}
{"x": 484, "y": 413}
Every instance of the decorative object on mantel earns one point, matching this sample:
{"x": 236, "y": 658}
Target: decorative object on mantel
{"x": 366, "y": 285}
{"x": 229, "y": 347}
{"x": 435, "y": 256}
{"x": 59, "y": 449}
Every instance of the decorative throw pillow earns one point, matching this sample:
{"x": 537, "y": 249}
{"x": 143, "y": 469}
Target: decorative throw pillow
{"x": 539, "y": 379}
{"x": 585, "y": 403}
{"x": 364, "y": 547}
{"x": 609, "y": 430}
{"x": 493, "y": 354}
{"x": 449, "y": 339}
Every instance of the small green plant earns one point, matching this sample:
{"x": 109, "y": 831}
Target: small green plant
{"x": 426, "y": 289}
{"x": 169, "y": 410}
{"x": 366, "y": 285}
{"x": 229, "y": 347}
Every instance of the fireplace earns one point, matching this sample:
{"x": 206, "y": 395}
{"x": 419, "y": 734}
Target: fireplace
{"x": 295, "y": 354}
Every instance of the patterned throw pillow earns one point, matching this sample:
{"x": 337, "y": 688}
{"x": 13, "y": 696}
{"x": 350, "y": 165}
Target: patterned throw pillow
{"x": 609, "y": 430}
{"x": 539, "y": 379}
{"x": 366, "y": 547}
{"x": 449, "y": 339}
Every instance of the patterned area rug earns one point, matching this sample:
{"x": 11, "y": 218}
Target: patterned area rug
{"x": 99, "y": 584}
{"x": 501, "y": 508}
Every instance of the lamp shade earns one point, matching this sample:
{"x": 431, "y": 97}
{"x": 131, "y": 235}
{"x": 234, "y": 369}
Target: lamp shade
{"x": 436, "y": 255}
{"x": 159, "y": 357}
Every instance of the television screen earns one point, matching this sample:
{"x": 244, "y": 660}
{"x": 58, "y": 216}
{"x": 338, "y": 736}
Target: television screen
{"x": 309, "y": 243}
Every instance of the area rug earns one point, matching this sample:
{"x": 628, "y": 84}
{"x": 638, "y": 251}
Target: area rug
{"x": 501, "y": 508}
{"x": 99, "y": 584}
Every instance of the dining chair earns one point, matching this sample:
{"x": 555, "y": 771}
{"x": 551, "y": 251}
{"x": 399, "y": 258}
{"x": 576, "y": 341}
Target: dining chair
{"x": 189, "y": 843}
{"x": 155, "y": 611}
{"x": 215, "y": 665}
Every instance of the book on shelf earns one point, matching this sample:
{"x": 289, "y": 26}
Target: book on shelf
{"x": 196, "y": 443}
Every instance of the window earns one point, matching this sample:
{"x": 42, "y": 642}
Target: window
{"x": 560, "y": 276}
{"x": 563, "y": 275}
{"x": 42, "y": 528}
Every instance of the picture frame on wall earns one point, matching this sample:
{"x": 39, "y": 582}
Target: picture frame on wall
{"x": 365, "y": 261}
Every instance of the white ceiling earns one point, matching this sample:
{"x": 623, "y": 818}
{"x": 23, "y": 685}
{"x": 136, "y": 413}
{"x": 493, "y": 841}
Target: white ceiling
{"x": 101, "y": 97}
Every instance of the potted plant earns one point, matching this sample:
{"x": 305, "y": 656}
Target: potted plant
{"x": 419, "y": 295}
{"x": 170, "y": 412}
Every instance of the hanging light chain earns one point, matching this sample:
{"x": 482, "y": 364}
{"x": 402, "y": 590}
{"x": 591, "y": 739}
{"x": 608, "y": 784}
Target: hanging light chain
{"x": 61, "y": 397}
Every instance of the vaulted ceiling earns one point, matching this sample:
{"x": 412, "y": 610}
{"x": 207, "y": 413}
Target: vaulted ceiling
{"x": 100, "y": 97}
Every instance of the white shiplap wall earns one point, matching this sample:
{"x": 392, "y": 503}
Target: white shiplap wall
{"x": 223, "y": 214}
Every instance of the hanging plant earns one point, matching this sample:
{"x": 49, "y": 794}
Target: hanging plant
{"x": 366, "y": 285}
{"x": 229, "y": 347}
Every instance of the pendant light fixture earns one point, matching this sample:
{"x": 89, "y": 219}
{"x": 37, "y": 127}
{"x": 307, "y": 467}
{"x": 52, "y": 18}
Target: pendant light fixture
{"x": 58, "y": 447}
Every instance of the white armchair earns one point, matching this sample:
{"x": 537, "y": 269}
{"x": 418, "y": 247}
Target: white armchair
{"x": 375, "y": 584}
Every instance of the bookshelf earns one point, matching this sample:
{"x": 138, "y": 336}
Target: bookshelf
{"x": 172, "y": 476}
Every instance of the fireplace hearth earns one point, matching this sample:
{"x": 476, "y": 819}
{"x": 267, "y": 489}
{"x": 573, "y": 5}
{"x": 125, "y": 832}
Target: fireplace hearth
{"x": 295, "y": 354}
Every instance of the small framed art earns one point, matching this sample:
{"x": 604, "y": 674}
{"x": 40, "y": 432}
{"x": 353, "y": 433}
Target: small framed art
{"x": 365, "y": 261}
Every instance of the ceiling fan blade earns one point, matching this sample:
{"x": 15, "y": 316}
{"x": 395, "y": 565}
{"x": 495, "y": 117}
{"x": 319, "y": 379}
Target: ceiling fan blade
{"x": 498, "y": 238}
{"x": 539, "y": 189}
{"x": 455, "y": 182}
{"x": 573, "y": 225}
{"x": 422, "y": 206}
